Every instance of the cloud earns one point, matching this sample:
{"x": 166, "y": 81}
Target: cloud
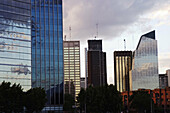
{"x": 113, "y": 16}
{"x": 164, "y": 62}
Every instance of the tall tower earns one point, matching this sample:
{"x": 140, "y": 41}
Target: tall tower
{"x": 97, "y": 74}
{"x": 122, "y": 67}
{"x": 47, "y": 50}
{"x": 145, "y": 63}
{"x": 72, "y": 68}
{"x": 15, "y": 42}
{"x": 86, "y": 67}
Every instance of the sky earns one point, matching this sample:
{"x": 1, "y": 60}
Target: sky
{"x": 118, "y": 20}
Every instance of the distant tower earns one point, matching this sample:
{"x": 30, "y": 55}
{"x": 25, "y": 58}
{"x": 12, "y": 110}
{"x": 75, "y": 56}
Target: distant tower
{"x": 97, "y": 74}
{"x": 86, "y": 68}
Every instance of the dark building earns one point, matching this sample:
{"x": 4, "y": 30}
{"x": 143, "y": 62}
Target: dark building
{"x": 163, "y": 81}
{"x": 122, "y": 67}
{"x": 97, "y": 74}
{"x": 15, "y": 42}
{"x": 47, "y": 50}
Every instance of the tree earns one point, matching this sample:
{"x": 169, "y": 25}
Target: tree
{"x": 81, "y": 99}
{"x": 100, "y": 99}
{"x": 35, "y": 100}
{"x": 11, "y": 98}
{"x": 68, "y": 102}
{"x": 141, "y": 101}
{"x": 113, "y": 100}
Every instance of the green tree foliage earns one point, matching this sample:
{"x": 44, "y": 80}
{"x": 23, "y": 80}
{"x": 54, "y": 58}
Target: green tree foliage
{"x": 100, "y": 99}
{"x": 35, "y": 100}
{"x": 141, "y": 101}
{"x": 69, "y": 102}
{"x": 11, "y": 98}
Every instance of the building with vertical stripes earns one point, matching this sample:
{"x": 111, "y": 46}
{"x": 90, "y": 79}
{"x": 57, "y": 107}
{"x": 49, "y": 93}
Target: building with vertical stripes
{"x": 47, "y": 50}
{"x": 122, "y": 67}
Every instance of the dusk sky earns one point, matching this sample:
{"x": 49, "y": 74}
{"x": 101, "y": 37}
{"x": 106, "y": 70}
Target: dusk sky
{"x": 118, "y": 20}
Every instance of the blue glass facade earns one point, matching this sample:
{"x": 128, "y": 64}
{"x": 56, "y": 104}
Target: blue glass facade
{"x": 47, "y": 48}
{"x": 145, "y": 63}
{"x": 15, "y": 42}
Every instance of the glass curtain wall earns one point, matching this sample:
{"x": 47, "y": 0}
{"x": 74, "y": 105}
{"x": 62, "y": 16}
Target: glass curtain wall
{"x": 47, "y": 48}
{"x": 145, "y": 68}
{"x": 15, "y": 42}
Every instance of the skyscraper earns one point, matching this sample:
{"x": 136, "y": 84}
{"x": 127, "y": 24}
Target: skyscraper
{"x": 122, "y": 67}
{"x": 15, "y": 42}
{"x": 97, "y": 74}
{"x": 145, "y": 63}
{"x": 72, "y": 67}
{"x": 47, "y": 50}
{"x": 86, "y": 68}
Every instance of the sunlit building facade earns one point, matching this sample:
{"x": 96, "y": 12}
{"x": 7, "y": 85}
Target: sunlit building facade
{"x": 47, "y": 50}
{"x": 72, "y": 68}
{"x": 122, "y": 67}
{"x": 145, "y": 63}
{"x": 15, "y": 42}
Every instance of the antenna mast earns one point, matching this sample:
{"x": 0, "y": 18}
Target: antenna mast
{"x": 97, "y": 32}
{"x": 65, "y": 38}
{"x": 124, "y": 44}
{"x": 70, "y": 32}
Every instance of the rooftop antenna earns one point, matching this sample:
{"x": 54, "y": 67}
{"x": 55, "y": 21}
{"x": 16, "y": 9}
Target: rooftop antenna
{"x": 124, "y": 44}
{"x": 65, "y": 37}
{"x": 97, "y": 30}
{"x": 70, "y": 32}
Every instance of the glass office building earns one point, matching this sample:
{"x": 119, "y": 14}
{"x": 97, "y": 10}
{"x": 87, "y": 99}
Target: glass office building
{"x": 47, "y": 50}
{"x": 15, "y": 42}
{"x": 122, "y": 67}
{"x": 72, "y": 68}
{"x": 145, "y": 63}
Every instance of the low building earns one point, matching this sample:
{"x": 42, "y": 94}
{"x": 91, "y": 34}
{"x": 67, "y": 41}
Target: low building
{"x": 163, "y": 81}
{"x": 161, "y": 97}
{"x": 82, "y": 83}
